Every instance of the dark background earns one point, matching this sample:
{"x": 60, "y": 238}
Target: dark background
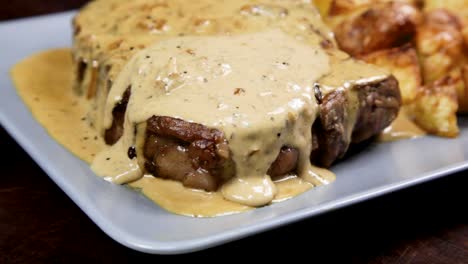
{"x": 40, "y": 224}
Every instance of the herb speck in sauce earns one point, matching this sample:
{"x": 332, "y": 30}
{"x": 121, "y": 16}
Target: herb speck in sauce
{"x": 238, "y": 91}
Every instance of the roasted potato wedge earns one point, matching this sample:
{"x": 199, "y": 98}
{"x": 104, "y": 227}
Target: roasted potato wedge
{"x": 435, "y": 108}
{"x": 323, "y": 6}
{"x": 380, "y": 26}
{"x": 433, "y": 75}
{"x": 465, "y": 35}
{"x": 403, "y": 63}
{"x": 440, "y": 44}
{"x": 459, "y": 7}
{"x": 463, "y": 91}
{"x": 339, "y": 7}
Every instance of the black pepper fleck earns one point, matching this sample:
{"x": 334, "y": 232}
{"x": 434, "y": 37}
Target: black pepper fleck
{"x": 318, "y": 93}
{"x": 131, "y": 152}
{"x": 107, "y": 158}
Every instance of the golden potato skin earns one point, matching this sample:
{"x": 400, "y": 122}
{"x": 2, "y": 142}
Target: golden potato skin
{"x": 439, "y": 42}
{"x": 435, "y": 108}
{"x": 460, "y": 7}
{"x": 381, "y": 26}
{"x": 323, "y": 6}
{"x": 463, "y": 91}
{"x": 339, "y": 7}
{"x": 433, "y": 75}
{"x": 403, "y": 63}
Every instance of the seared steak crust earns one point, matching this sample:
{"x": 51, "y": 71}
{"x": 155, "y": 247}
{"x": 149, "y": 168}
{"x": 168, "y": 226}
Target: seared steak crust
{"x": 112, "y": 134}
{"x": 198, "y": 156}
{"x": 379, "y": 104}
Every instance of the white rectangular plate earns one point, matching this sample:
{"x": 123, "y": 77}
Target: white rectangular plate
{"x": 136, "y": 222}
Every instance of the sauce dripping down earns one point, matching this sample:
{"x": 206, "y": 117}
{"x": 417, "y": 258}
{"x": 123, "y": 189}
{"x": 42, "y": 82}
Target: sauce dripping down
{"x": 299, "y": 108}
{"x": 44, "y": 82}
{"x": 401, "y": 128}
{"x": 251, "y": 87}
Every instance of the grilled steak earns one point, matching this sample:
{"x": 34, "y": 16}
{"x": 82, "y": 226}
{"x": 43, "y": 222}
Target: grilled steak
{"x": 350, "y": 110}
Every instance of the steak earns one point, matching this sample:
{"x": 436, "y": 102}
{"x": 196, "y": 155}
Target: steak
{"x": 106, "y": 36}
{"x": 202, "y": 154}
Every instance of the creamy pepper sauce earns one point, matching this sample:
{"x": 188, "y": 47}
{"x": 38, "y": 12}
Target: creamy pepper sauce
{"x": 247, "y": 69}
{"x": 401, "y": 128}
{"x": 244, "y": 67}
{"x": 211, "y": 81}
{"x": 44, "y": 83}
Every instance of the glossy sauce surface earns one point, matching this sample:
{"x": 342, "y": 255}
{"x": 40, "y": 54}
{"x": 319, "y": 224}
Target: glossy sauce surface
{"x": 110, "y": 33}
{"x": 44, "y": 83}
{"x": 246, "y": 68}
{"x": 401, "y": 128}
{"x": 256, "y": 88}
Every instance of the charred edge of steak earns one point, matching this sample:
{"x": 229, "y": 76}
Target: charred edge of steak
{"x": 187, "y": 152}
{"x": 183, "y": 130}
{"x": 330, "y": 129}
{"x": 285, "y": 162}
{"x": 113, "y": 133}
{"x": 379, "y": 104}
{"x": 196, "y": 155}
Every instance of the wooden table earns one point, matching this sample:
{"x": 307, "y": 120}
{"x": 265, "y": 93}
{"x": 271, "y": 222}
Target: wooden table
{"x": 40, "y": 224}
